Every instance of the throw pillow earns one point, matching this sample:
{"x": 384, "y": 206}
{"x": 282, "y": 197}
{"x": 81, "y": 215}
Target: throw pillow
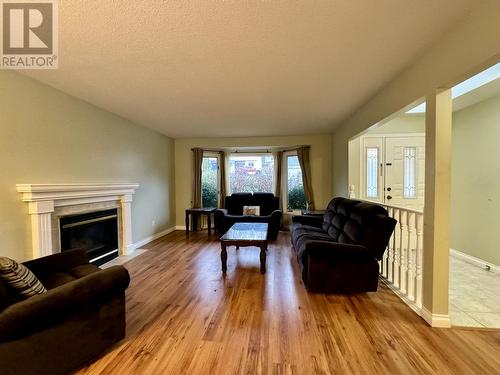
{"x": 251, "y": 210}
{"x": 19, "y": 278}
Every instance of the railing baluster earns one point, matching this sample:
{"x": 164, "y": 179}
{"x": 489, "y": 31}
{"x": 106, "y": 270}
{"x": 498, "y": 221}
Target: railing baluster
{"x": 411, "y": 256}
{"x": 397, "y": 248}
{"x": 383, "y": 270}
{"x": 392, "y": 249}
{"x": 419, "y": 258}
{"x": 403, "y": 252}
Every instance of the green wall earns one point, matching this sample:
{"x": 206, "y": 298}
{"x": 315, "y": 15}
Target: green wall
{"x": 475, "y": 181}
{"x": 47, "y": 136}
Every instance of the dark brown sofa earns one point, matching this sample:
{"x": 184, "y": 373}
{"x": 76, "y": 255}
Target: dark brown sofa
{"x": 339, "y": 252}
{"x": 81, "y": 315}
{"x": 233, "y": 213}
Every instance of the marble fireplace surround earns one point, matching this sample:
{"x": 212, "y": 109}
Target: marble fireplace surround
{"x": 48, "y": 202}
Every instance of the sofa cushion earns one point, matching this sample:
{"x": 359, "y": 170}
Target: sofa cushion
{"x": 266, "y": 201}
{"x": 351, "y": 221}
{"x": 6, "y": 296}
{"x": 54, "y": 279}
{"x": 235, "y": 203}
{"x": 83, "y": 270}
{"x": 310, "y": 228}
{"x": 19, "y": 278}
{"x": 303, "y": 238}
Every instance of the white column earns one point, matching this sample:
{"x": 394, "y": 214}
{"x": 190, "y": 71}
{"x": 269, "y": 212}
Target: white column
{"x": 41, "y": 224}
{"x": 437, "y": 208}
{"x": 126, "y": 244}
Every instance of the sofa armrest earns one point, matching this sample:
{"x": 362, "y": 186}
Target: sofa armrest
{"x": 58, "y": 304}
{"x": 221, "y": 211}
{"x": 335, "y": 251}
{"x": 313, "y": 221}
{"x": 276, "y": 213}
{"x": 58, "y": 262}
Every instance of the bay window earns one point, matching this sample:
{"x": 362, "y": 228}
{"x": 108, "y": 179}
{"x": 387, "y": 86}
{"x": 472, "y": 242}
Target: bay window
{"x": 251, "y": 173}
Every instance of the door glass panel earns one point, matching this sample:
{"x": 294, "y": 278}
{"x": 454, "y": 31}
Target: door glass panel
{"x": 372, "y": 172}
{"x": 410, "y": 175}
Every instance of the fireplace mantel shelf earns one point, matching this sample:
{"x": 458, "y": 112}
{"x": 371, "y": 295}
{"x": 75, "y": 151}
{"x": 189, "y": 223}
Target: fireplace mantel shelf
{"x": 55, "y": 192}
{"x": 42, "y": 200}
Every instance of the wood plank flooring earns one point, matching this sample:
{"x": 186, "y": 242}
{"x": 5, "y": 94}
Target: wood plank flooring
{"x": 183, "y": 317}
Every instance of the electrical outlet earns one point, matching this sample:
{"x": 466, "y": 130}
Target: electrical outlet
{"x": 153, "y": 223}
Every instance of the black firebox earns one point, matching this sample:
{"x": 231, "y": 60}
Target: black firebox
{"x": 94, "y": 232}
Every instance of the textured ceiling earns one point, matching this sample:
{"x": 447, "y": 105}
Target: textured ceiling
{"x": 240, "y": 68}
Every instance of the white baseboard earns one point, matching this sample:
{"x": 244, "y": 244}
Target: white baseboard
{"x": 180, "y": 227}
{"x": 475, "y": 261}
{"x": 436, "y": 320}
{"x": 155, "y": 236}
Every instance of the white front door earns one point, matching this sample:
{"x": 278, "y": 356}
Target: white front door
{"x": 392, "y": 170}
{"x": 404, "y": 180}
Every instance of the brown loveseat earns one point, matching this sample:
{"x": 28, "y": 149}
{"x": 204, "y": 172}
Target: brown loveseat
{"x": 80, "y": 316}
{"x": 339, "y": 252}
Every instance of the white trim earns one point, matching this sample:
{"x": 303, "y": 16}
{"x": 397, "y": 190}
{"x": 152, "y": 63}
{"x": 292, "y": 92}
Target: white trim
{"x": 151, "y": 238}
{"x": 180, "y": 227}
{"x": 474, "y": 260}
{"x": 436, "y": 320}
{"x": 392, "y": 135}
{"x": 59, "y": 193}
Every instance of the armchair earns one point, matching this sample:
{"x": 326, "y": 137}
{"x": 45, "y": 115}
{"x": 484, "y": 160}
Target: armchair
{"x": 80, "y": 316}
{"x": 233, "y": 213}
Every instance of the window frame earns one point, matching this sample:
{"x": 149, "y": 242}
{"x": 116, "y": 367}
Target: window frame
{"x": 211, "y": 155}
{"x": 250, "y": 153}
{"x": 284, "y": 181}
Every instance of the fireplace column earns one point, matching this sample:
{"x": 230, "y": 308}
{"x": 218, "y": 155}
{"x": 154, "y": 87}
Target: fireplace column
{"x": 41, "y": 224}
{"x": 126, "y": 244}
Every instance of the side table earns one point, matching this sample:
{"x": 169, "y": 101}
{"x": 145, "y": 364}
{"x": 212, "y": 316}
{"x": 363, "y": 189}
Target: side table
{"x": 196, "y": 213}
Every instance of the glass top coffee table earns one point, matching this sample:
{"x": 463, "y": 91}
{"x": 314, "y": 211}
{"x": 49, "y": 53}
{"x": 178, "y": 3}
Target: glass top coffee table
{"x": 245, "y": 234}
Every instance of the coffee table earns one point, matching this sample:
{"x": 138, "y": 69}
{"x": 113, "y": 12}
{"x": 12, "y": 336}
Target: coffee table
{"x": 242, "y": 235}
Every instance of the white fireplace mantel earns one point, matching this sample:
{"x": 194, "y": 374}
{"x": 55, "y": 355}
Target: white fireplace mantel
{"x": 43, "y": 199}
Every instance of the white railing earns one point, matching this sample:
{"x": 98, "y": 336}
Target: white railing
{"x": 401, "y": 265}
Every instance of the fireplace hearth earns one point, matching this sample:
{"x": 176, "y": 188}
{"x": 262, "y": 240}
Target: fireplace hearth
{"x": 94, "y": 232}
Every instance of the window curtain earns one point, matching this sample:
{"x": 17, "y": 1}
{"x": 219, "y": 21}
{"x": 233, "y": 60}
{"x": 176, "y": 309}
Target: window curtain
{"x": 197, "y": 162}
{"x": 222, "y": 178}
{"x": 278, "y": 170}
{"x": 305, "y": 166}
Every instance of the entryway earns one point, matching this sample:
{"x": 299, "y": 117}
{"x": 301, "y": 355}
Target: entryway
{"x": 392, "y": 169}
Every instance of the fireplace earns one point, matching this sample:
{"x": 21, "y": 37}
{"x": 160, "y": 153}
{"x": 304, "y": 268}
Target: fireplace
{"x": 94, "y": 232}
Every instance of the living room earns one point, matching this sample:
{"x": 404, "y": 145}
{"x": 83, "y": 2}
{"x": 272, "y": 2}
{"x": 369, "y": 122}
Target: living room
{"x": 175, "y": 190}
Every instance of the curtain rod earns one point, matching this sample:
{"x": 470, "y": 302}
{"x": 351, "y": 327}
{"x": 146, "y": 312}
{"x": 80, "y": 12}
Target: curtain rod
{"x": 264, "y": 151}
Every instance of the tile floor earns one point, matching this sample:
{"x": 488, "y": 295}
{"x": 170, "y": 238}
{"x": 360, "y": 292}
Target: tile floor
{"x": 474, "y": 295}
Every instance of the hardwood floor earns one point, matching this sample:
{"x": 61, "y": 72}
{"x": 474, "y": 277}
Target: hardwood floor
{"x": 183, "y": 317}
